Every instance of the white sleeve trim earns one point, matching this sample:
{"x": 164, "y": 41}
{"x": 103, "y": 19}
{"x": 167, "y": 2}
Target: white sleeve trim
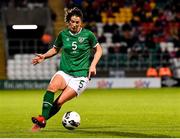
{"x": 54, "y": 46}
{"x": 96, "y": 45}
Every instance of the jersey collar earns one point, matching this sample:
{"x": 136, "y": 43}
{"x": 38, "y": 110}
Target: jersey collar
{"x": 75, "y": 33}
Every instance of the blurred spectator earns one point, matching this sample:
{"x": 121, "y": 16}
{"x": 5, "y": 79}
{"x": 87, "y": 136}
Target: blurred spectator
{"x": 102, "y": 39}
{"x": 127, "y": 39}
{"x": 115, "y": 48}
{"x": 168, "y": 13}
{"x": 107, "y": 28}
{"x": 114, "y": 27}
{"x": 140, "y": 48}
{"x": 116, "y": 36}
{"x": 172, "y": 32}
{"x": 150, "y": 43}
{"x": 177, "y": 15}
{"x": 91, "y": 26}
{"x": 135, "y": 21}
{"x": 178, "y": 53}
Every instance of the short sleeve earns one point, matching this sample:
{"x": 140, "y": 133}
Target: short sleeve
{"x": 58, "y": 41}
{"x": 93, "y": 40}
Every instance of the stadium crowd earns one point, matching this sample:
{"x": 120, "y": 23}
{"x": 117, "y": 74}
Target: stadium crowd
{"x": 138, "y": 29}
{"x": 136, "y": 26}
{"x": 151, "y": 27}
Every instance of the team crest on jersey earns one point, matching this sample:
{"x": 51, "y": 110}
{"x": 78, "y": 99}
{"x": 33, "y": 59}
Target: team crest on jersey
{"x": 80, "y": 39}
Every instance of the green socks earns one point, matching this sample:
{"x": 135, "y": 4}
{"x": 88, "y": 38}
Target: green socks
{"x": 47, "y": 103}
{"x": 54, "y": 109}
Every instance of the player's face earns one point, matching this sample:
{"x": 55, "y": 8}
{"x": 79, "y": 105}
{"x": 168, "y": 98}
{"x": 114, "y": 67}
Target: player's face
{"x": 75, "y": 24}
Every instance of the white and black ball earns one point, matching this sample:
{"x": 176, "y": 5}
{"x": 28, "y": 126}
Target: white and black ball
{"x": 71, "y": 120}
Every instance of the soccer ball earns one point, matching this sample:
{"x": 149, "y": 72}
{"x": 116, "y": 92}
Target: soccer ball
{"x": 71, "y": 120}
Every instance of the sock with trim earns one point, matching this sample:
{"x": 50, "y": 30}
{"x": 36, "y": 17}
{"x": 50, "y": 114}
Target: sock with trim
{"x": 47, "y": 103}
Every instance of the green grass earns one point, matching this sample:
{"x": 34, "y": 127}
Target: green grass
{"x": 105, "y": 113}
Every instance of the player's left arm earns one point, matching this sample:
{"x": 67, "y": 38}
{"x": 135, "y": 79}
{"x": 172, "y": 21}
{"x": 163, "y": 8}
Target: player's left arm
{"x": 97, "y": 56}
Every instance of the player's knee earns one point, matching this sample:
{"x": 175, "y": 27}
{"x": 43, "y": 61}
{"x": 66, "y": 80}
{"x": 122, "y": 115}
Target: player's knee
{"x": 53, "y": 88}
{"x": 60, "y": 102}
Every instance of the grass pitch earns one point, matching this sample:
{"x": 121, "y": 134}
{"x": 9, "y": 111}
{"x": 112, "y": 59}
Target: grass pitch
{"x": 105, "y": 113}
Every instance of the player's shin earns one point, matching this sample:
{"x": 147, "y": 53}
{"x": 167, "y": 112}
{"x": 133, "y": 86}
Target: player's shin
{"x": 54, "y": 109}
{"x": 47, "y": 103}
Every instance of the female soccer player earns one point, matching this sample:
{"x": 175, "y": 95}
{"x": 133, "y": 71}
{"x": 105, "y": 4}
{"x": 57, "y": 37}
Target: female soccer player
{"x": 76, "y": 67}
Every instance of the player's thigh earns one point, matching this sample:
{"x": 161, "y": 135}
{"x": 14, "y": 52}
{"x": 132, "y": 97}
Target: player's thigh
{"x": 79, "y": 84}
{"x": 67, "y": 94}
{"x": 57, "y": 83}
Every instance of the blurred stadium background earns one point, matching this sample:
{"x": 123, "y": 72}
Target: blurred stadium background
{"x": 136, "y": 35}
{"x": 141, "y": 49}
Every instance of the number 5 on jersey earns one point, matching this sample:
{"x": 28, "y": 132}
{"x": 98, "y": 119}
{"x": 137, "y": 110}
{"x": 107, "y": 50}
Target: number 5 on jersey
{"x": 74, "y": 46}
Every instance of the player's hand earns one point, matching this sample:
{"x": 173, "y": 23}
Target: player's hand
{"x": 38, "y": 59}
{"x": 92, "y": 71}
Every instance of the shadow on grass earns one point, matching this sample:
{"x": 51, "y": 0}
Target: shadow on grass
{"x": 102, "y": 132}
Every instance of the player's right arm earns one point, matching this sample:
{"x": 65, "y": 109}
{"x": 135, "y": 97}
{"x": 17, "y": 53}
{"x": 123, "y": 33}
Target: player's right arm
{"x": 51, "y": 52}
{"x": 41, "y": 57}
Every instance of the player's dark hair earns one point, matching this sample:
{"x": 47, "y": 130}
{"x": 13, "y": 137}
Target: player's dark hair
{"x": 73, "y": 12}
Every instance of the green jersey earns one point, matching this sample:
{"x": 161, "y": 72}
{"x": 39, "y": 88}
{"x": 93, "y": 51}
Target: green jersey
{"x": 75, "y": 51}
